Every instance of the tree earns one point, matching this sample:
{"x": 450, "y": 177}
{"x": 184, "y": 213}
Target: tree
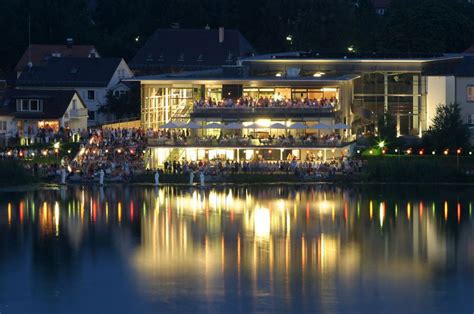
{"x": 387, "y": 127}
{"x": 121, "y": 106}
{"x": 428, "y": 26}
{"x": 448, "y": 129}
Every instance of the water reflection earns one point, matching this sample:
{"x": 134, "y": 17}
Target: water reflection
{"x": 280, "y": 248}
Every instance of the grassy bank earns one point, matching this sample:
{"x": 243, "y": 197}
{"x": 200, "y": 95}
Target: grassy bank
{"x": 12, "y": 174}
{"x": 418, "y": 170}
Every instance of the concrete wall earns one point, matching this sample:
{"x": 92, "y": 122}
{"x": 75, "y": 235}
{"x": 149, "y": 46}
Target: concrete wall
{"x": 78, "y": 123}
{"x": 467, "y": 108}
{"x": 11, "y": 126}
{"x": 440, "y": 91}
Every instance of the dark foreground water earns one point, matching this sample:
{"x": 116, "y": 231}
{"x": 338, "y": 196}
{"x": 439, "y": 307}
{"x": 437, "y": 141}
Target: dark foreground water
{"x": 269, "y": 249}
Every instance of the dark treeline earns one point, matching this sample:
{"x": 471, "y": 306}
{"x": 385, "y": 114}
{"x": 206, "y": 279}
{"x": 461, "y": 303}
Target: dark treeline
{"x": 319, "y": 25}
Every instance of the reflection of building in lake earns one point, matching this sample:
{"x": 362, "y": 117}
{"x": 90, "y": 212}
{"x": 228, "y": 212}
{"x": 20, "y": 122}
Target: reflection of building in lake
{"x": 269, "y": 242}
{"x": 256, "y": 240}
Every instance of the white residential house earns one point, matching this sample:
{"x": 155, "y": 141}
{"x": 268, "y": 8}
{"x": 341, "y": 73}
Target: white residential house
{"x": 24, "y": 112}
{"x": 92, "y": 78}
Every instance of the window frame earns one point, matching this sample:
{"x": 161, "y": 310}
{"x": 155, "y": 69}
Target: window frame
{"x": 89, "y": 92}
{"x": 468, "y": 87}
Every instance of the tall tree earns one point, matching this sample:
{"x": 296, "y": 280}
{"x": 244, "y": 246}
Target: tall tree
{"x": 428, "y": 26}
{"x": 447, "y": 130}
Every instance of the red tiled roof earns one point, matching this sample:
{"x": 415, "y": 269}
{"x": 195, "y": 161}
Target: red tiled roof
{"x": 41, "y": 53}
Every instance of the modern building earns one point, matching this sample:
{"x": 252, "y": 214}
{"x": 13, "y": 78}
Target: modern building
{"x": 176, "y": 50}
{"x": 298, "y": 104}
{"x": 92, "y": 78}
{"x": 24, "y": 112}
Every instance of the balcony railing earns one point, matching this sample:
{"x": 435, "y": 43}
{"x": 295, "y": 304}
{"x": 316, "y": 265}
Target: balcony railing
{"x": 201, "y": 112}
{"x": 78, "y": 113}
{"x": 246, "y": 142}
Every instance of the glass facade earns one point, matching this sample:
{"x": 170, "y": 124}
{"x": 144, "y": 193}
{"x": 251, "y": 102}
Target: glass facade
{"x": 161, "y": 104}
{"x": 401, "y": 94}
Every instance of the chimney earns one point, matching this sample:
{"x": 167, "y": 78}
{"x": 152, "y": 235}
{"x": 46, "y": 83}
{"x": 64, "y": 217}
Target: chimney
{"x": 69, "y": 42}
{"x": 221, "y": 35}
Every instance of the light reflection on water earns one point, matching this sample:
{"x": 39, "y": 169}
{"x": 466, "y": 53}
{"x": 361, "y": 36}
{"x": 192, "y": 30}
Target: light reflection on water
{"x": 322, "y": 249}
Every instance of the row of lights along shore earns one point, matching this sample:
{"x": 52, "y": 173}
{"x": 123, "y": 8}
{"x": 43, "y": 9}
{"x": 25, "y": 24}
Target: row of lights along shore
{"x": 421, "y": 152}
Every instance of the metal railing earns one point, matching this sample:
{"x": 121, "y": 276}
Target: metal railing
{"x": 237, "y": 143}
{"x": 264, "y": 109}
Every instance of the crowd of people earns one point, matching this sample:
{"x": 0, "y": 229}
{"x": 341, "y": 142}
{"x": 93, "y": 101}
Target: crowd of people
{"x": 299, "y": 168}
{"x": 46, "y": 134}
{"x": 118, "y": 152}
{"x": 183, "y": 138}
{"x": 268, "y": 102}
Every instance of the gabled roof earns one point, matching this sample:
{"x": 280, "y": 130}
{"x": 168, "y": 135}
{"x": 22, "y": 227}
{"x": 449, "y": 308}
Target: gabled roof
{"x": 40, "y": 54}
{"x": 71, "y": 72}
{"x": 199, "y": 48}
{"x": 55, "y": 103}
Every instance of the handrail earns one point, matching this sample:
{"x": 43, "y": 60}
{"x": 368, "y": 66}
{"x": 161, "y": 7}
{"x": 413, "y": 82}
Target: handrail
{"x": 163, "y": 142}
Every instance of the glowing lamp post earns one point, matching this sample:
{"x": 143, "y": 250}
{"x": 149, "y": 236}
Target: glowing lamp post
{"x": 458, "y": 152}
{"x": 56, "y": 146}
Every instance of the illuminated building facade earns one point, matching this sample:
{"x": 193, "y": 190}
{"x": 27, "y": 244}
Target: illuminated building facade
{"x": 351, "y": 92}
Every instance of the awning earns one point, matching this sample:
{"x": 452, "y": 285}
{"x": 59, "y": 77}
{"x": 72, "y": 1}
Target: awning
{"x": 278, "y": 126}
{"x": 171, "y": 125}
{"x": 214, "y": 126}
{"x": 253, "y": 126}
{"x": 298, "y": 126}
{"x": 192, "y": 125}
{"x": 321, "y": 126}
{"x": 234, "y": 126}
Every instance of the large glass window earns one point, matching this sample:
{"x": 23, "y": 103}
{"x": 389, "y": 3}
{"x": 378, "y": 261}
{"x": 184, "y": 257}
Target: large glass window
{"x": 161, "y": 104}
{"x": 25, "y": 106}
{"x": 401, "y": 94}
{"x": 470, "y": 93}
{"x": 34, "y": 105}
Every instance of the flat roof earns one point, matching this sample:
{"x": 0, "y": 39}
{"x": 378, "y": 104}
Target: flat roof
{"x": 197, "y": 79}
{"x": 314, "y": 57}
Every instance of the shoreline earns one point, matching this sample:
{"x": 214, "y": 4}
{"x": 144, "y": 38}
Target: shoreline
{"x": 209, "y": 185}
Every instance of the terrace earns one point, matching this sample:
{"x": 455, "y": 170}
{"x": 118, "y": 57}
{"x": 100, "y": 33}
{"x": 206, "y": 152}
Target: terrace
{"x": 329, "y": 141}
{"x": 265, "y": 107}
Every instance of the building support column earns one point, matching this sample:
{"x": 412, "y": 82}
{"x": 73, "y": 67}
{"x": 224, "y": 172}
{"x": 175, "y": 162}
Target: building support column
{"x": 416, "y": 104}
{"x": 385, "y": 101}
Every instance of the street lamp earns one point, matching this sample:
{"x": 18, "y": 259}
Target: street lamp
{"x": 458, "y": 152}
{"x": 289, "y": 39}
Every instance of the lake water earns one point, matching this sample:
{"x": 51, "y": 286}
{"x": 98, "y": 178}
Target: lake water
{"x": 375, "y": 249}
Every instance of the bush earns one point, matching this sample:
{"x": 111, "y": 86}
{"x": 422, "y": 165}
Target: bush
{"x": 12, "y": 174}
{"x": 413, "y": 169}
